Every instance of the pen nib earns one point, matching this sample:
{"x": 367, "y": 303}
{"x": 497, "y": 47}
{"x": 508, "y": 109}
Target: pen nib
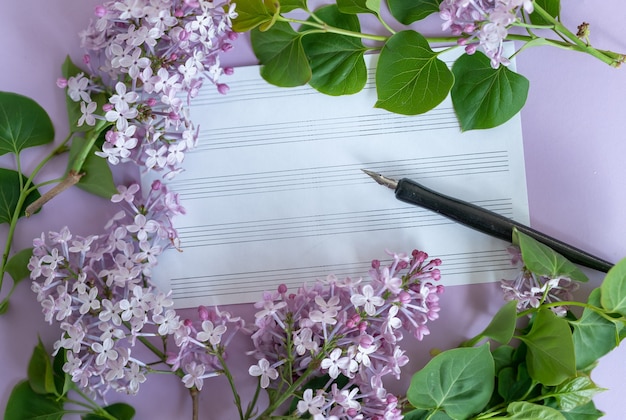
{"x": 382, "y": 180}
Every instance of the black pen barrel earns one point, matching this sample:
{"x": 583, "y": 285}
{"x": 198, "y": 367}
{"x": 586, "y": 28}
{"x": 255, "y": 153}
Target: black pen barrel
{"x": 489, "y": 222}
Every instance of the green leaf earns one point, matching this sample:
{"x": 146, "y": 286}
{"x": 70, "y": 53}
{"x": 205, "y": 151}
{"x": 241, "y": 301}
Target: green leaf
{"x": 502, "y": 357}
{"x": 62, "y": 381}
{"x": 336, "y": 60}
{"x": 523, "y": 410}
{"x": 484, "y": 97}
{"x": 23, "y": 123}
{"x": 502, "y": 326}
{"x": 97, "y": 178}
{"x": 353, "y": 6}
{"x": 4, "y": 306}
{"x": 17, "y": 265}
{"x": 574, "y": 392}
{"x": 514, "y": 382}
{"x": 593, "y": 335}
{"x": 410, "y": 78}
{"x": 458, "y": 381}
{"x": 10, "y": 182}
{"x": 583, "y": 412}
{"x": 542, "y": 260}
{"x": 40, "y": 373}
{"x": 121, "y": 411}
{"x": 26, "y": 404}
{"x": 289, "y": 5}
{"x": 407, "y": 12}
{"x": 252, "y": 13}
{"x": 280, "y": 51}
{"x": 553, "y": 7}
{"x": 550, "y": 356}
{"x": 418, "y": 414}
{"x": 613, "y": 289}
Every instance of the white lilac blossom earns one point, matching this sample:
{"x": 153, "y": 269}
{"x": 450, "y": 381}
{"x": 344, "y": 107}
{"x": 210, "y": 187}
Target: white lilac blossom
{"x": 98, "y": 289}
{"x": 350, "y": 331}
{"x": 483, "y": 22}
{"x": 531, "y": 290}
{"x": 147, "y": 59}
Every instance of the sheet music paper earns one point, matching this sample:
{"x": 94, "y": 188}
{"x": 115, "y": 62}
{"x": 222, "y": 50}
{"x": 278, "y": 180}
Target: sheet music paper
{"x": 274, "y": 191}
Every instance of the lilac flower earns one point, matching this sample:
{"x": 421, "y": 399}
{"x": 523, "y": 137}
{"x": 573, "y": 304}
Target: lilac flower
{"x": 362, "y": 345}
{"x": 87, "y": 109}
{"x": 143, "y": 57}
{"x": 368, "y": 300}
{"x": 485, "y": 21}
{"x": 310, "y": 404}
{"x": 194, "y": 375}
{"x": 530, "y": 290}
{"x": 93, "y": 286}
{"x": 212, "y": 334}
{"x": 265, "y": 371}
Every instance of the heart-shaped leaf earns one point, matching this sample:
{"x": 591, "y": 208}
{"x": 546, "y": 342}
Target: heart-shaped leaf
{"x": 336, "y": 60}
{"x": 458, "y": 381}
{"x": 40, "y": 373}
{"x": 502, "y": 326}
{"x": 23, "y": 123}
{"x": 484, "y": 97}
{"x": 594, "y": 336}
{"x": 280, "y": 51}
{"x": 353, "y": 6}
{"x": 252, "y": 13}
{"x": 523, "y": 410}
{"x": 613, "y": 289}
{"x": 289, "y": 5}
{"x": 550, "y": 357}
{"x": 410, "y": 78}
{"x": 10, "y": 189}
{"x": 408, "y": 12}
{"x": 24, "y": 403}
{"x": 17, "y": 265}
{"x": 544, "y": 261}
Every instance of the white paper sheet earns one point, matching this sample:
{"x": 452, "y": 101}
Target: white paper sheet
{"x": 274, "y": 192}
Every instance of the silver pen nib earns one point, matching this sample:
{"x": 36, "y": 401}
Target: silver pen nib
{"x": 382, "y": 180}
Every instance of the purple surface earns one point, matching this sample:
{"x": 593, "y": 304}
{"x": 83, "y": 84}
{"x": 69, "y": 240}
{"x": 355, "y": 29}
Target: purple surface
{"x": 574, "y": 148}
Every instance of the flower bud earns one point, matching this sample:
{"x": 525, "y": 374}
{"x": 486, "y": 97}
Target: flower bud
{"x": 222, "y": 88}
{"x": 203, "y": 312}
{"x": 100, "y": 11}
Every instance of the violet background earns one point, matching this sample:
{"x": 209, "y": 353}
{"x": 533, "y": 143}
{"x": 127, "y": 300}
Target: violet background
{"x": 575, "y": 146}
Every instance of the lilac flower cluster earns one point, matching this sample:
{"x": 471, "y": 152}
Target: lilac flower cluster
{"x": 201, "y": 346}
{"x": 97, "y": 289}
{"x": 349, "y": 331}
{"x": 531, "y": 290}
{"x": 144, "y": 57}
{"x": 484, "y": 22}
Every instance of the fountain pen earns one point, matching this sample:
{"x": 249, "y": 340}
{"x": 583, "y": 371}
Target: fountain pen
{"x": 481, "y": 219}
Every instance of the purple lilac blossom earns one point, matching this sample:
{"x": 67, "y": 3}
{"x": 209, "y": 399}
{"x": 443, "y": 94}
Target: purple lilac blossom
{"x": 146, "y": 60}
{"x": 98, "y": 290}
{"x": 483, "y": 22}
{"x": 529, "y": 289}
{"x": 348, "y": 328}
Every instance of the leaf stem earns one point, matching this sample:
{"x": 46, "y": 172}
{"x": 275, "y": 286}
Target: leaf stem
{"x": 559, "y": 28}
{"x": 331, "y": 29}
{"x": 24, "y": 191}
